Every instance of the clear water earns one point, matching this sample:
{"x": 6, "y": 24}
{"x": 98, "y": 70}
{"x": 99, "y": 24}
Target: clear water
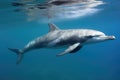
{"x": 93, "y": 62}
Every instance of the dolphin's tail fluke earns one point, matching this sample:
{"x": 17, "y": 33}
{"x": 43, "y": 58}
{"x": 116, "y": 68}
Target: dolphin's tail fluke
{"x": 19, "y": 54}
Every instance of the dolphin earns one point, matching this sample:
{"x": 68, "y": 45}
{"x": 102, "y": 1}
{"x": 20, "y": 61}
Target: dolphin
{"x": 73, "y": 39}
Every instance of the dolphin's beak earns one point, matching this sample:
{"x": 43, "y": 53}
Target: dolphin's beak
{"x": 111, "y": 37}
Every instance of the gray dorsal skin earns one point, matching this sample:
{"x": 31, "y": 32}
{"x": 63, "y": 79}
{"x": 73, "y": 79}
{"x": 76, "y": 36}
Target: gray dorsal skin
{"x": 53, "y": 27}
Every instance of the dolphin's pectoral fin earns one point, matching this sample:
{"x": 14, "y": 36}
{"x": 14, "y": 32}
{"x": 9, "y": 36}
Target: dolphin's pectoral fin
{"x": 71, "y": 48}
{"x": 76, "y": 49}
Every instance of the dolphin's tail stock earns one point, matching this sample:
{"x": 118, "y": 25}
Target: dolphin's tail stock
{"x": 19, "y": 54}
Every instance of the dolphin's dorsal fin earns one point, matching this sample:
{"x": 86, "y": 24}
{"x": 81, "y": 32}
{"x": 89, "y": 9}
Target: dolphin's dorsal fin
{"x": 53, "y": 27}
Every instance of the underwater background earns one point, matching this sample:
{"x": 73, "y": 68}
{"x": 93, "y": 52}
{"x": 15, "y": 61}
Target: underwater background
{"x": 99, "y": 61}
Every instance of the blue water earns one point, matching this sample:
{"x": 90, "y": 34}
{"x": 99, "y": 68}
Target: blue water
{"x": 93, "y": 62}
